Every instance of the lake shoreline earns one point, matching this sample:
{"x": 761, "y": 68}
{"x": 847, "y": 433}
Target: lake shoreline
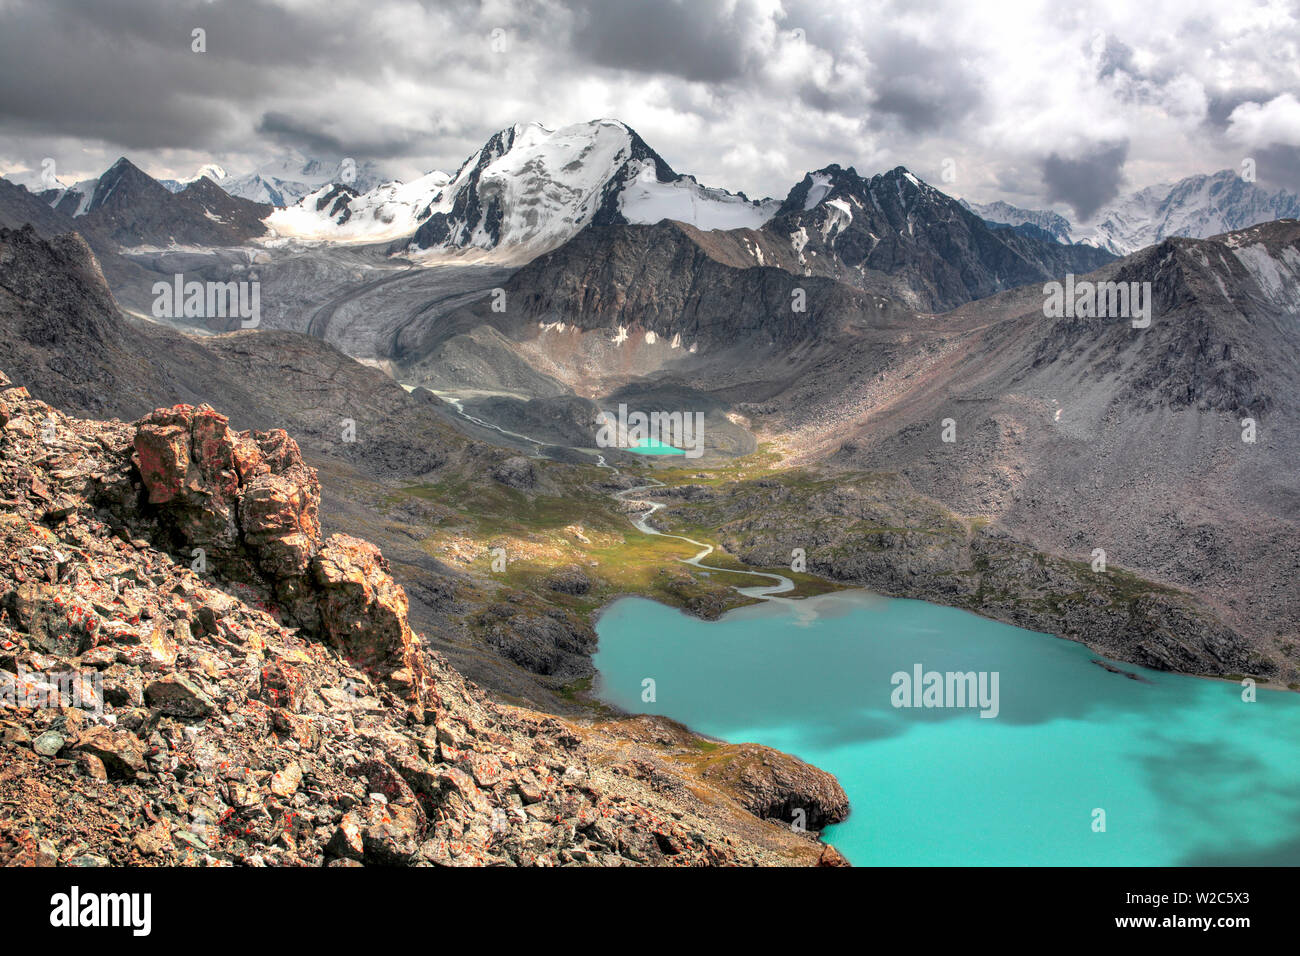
{"x": 1260, "y": 682}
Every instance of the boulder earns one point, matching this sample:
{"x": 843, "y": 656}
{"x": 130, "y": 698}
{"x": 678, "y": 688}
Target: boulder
{"x": 377, "y": 833}
{"x": 178, "y": 696}
{"x": 185, "y": 457}
{"x": 570, "y": 579}
{"x": 58, "y": 623}
{"x": 278, "y": 517}
{"x": 363, "y": 613}
{"x": 283, "y": 686}
{"x": 284, "y": 783}
{"x": 122, "y": 752}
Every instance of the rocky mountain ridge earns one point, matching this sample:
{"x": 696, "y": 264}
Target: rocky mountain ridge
{"x": 126, "y": 207}
{"x": 133, "y": 209}
{"x": 903, "y": 238}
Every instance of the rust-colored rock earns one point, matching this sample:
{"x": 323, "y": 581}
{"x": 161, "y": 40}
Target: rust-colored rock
{"x": 364, "y": 613}
{"x": 215, "y": 485}
{"x": 185, "y": 457}
{"x": 362, "y": 608}
{"x": 832, "y": 857}
{"x": 283, "y": 686}
{"x": 378, "y": 833}
{"x": 179, "y": 696}
{"x": 251, "y": 500}
{"x": 278, "y": 516}
{"x": 122, "y": 753}
{"x": 163, "y": 456}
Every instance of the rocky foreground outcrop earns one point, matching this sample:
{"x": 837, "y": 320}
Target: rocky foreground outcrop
{"x": 776, "y": 785}
{"x": 246, "y": 503}
{"x": 768, "y": 783}
{"x": 191, "y": 674}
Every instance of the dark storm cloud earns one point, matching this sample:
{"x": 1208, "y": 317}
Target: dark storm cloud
{"x": 250, "y": 32}
{"x": 127, "y": 71}
{"x": 60, "y": 73}
{"x": 1156, "y": 85}
{"x": 916, "y": 88}
{"x": 922, "y": 87}
{"x": 704, "y": 40}
{"x": 308, "y": 138}
{"x": 1086, "y": 181}
{"x": 1278, "y": 166}
{"x": 1116, "y": 56}
{"x": 745, "y": 93}
{"x": 917, "y": 84}
{"x": 313, "y": 139}
{"x": 1222, "y": 103}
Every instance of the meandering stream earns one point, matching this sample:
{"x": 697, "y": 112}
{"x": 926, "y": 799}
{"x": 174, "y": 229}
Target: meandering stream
{"x": 642, "y": 523}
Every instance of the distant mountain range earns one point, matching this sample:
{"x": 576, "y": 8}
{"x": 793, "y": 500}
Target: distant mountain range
{"x": 208, "y": 171}
{"x": 1196, "y": 208}
{"x": 1000, "y": 213}
{"x": 278, "y": 182}
{"x": 288, "y": 178}
{"x": 131, "y": 208}
{"x": 531, "y": 188}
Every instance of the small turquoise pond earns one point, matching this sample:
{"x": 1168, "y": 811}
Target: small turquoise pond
{"x": 653, "y": 446}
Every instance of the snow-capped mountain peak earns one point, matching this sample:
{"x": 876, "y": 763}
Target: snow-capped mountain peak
{"x": 81, "y": 197}
{"x": 1003, "y": 213}
{"x": 71, "y": 199}
{"x": 894, "y": 233}
{"x": 829, "y": 196}
{"x": 528, "y": 188}
{"x": 36, "y": 180}
{"x": 535, "y": 187}
{"x": 1196, "y": 207}
{"x": 207, "y": 171}
{"x": 337, "y": 212}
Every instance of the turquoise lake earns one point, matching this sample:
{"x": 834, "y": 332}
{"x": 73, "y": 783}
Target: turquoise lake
{"x": 652, "y": 446}
{"x": 1185, "y": 770}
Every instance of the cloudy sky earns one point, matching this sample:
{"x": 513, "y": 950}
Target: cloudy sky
{"x": 1041, "y": 104}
